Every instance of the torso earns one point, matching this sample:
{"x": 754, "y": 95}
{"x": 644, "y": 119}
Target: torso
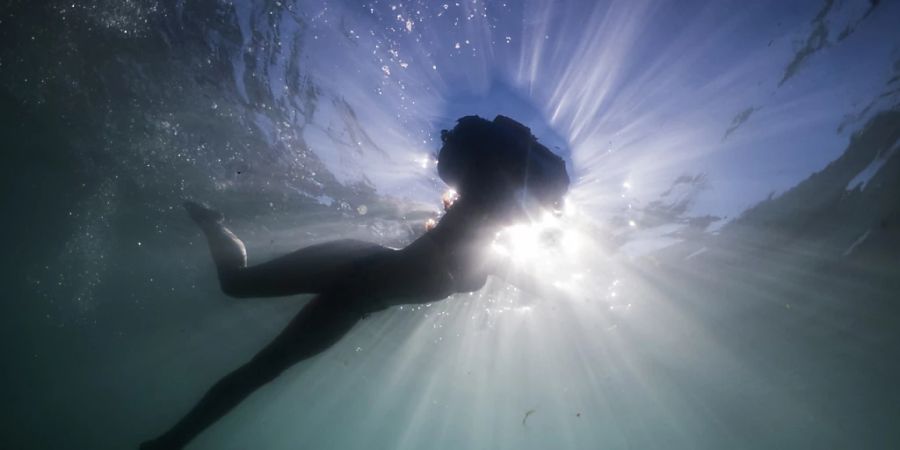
{"x": 446, "y": 260}
{"x": 459, "y": 243}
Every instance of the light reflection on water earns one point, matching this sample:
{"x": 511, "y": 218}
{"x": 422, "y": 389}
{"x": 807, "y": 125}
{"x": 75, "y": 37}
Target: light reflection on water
{"x": 673, "y": 325}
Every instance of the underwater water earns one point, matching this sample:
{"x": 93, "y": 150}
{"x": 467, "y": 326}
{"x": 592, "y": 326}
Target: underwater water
{"x": 730, "y": 246}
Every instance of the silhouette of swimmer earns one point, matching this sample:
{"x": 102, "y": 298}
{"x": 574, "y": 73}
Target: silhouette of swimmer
{"x": 495, "y": 166}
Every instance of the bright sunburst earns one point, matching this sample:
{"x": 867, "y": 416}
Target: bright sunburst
{"x": 551, "y": 249}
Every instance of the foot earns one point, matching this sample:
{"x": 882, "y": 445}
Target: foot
{"x": 203, "y": 215}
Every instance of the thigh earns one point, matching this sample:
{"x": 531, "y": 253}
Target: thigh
{"x": 312, "y": 269}
{"x": 321, "y": 323}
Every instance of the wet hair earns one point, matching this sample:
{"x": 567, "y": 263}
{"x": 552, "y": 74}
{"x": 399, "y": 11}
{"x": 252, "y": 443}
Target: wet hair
{"x": 481, "y": 158}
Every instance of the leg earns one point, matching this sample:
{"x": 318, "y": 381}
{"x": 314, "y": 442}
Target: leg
{"x": 309, "y": 270}
{"x": 313, "y": 269}
{"x": 315, "y": 328}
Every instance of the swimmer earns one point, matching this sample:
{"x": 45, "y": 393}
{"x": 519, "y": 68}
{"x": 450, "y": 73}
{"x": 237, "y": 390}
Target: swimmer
{"x": 497, "y": 168}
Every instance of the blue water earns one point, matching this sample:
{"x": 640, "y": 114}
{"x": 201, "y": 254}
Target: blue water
{"x": 730, "y": 248}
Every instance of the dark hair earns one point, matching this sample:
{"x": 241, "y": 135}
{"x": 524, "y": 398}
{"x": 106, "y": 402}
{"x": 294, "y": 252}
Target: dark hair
{"x": 481, "y": 157}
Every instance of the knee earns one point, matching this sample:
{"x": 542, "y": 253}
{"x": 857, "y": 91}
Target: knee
{"x": 233, "y": 285}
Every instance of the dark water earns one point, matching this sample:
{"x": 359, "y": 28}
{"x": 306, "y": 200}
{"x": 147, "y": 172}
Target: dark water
{"x": 731, "y": 246}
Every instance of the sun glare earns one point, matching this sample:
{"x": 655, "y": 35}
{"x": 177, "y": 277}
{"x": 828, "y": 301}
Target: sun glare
{"x": 550, "y": 246}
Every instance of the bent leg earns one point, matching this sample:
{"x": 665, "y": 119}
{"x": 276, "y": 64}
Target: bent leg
{"x": 311, "y": 269}
{"x": 308, "y": 270}
{"x": 228, "y": 252}
{"x": 315, "y": 328}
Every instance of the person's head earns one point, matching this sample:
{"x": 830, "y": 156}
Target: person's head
{"x": 486, "y": 159}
